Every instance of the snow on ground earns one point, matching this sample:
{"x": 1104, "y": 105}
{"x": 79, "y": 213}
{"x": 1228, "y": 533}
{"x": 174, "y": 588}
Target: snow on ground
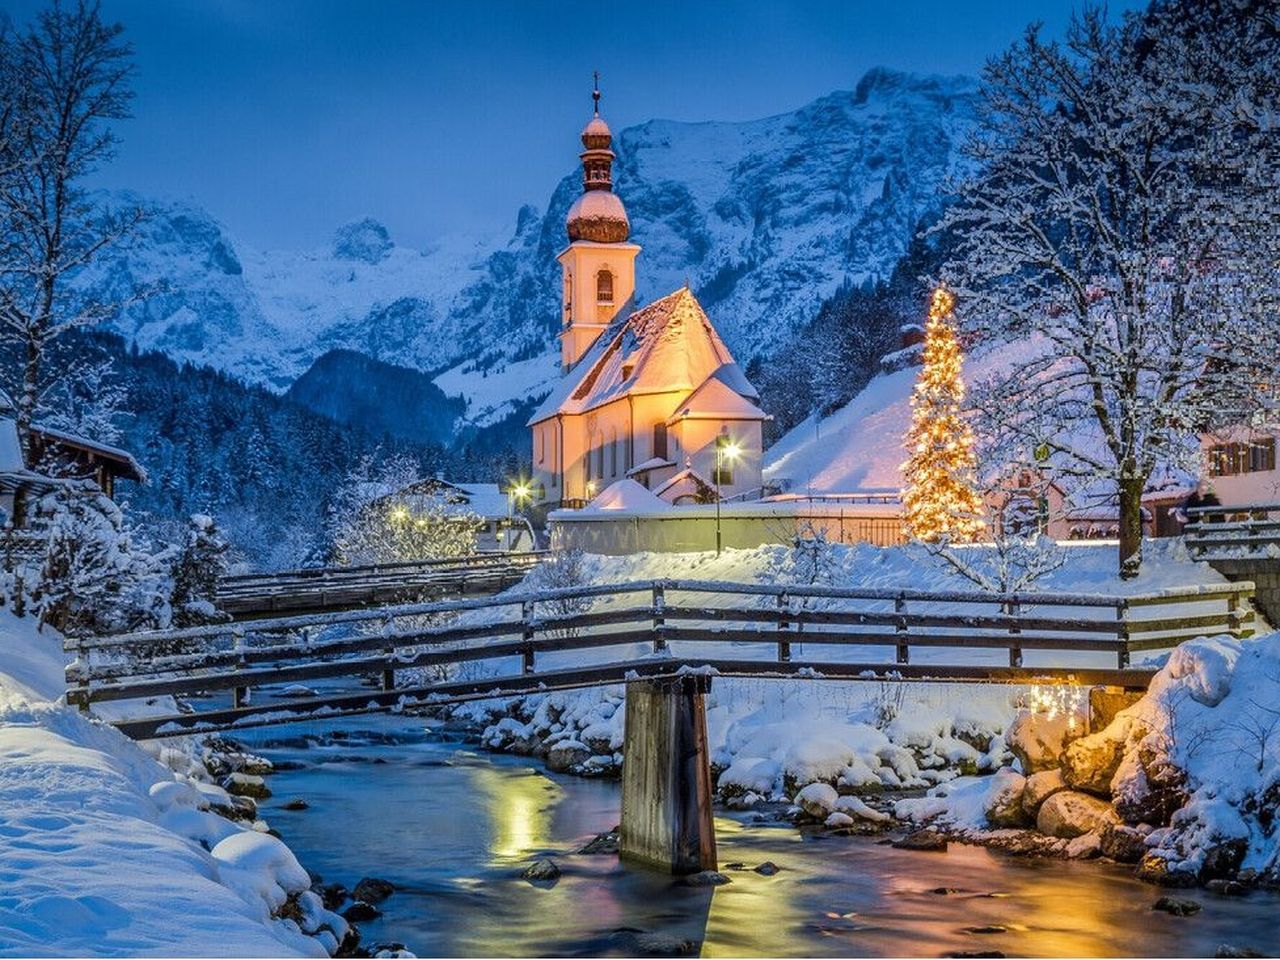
{"x": 1196, "y": 765}
{"x": 104, "y": 851}
{"x": 771, "y": 736}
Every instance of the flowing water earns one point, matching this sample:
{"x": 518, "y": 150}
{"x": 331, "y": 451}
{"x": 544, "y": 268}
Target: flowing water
{"x": 453, "y": 827}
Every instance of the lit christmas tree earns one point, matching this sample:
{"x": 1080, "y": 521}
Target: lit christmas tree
{"x": 940, "y": 499}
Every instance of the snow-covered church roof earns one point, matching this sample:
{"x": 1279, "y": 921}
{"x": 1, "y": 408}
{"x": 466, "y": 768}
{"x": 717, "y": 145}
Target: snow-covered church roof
{"x": 668, "y": 346}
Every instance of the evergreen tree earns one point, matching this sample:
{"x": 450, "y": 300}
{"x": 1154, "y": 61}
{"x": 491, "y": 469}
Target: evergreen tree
{"x": 199, "y": 566}
{"x": 939, "y": 499}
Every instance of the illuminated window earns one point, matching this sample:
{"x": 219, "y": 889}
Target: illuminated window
{"x": 604, "y": 287}
{"x": 1232, "y": 459}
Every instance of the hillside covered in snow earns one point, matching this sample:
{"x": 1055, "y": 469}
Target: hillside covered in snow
{"x": 766, "y": 219}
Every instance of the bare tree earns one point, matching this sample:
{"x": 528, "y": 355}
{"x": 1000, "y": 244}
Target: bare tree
{"x": 66, "y": 79}
{"x": 1123, "y": 228}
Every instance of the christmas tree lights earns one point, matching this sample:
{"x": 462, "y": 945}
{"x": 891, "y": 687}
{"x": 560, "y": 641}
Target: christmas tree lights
{"x": 939, "y": 499}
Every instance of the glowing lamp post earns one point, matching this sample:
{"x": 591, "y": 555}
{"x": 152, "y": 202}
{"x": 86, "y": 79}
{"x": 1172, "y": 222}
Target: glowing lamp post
{"x": 517, "y": 495}
{"x": 727, "y": 451}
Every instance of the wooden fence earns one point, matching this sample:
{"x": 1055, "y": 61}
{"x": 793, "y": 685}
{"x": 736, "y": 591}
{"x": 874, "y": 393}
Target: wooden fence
{"x": 412, "y": 652}
{"x": 1253, "y": 529}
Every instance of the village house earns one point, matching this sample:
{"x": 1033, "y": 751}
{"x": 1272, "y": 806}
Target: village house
{"x": 652, "y": 395}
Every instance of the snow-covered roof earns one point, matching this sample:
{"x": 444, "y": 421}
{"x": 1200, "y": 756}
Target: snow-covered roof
{"x": 687, "y": 475}
{"x": 715, "y": 400}
{"x": 668, "y": 346}
{"x": 625, "y": 494}
{"x": 486, "y": 499}
{"x": 132, "y": 469}
{"x": 653, "y": 463}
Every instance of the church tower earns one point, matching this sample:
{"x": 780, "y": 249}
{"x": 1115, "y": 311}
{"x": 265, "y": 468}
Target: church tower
{"x": 599, "y": 264}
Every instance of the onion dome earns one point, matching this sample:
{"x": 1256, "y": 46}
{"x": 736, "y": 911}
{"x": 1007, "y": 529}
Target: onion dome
{"x": 597, "y": 215}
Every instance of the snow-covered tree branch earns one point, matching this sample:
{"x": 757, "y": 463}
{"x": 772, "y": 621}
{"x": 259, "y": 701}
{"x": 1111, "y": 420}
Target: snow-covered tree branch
{"x": 1123, "y": 225}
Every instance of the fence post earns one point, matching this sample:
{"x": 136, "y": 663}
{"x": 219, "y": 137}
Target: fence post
{"x": 526, "y": 615}
{"x": 659, "y": 618}
{"x": 1013, "y": 608}
{"x": 83, "y": 654}
{"x": 784, "y": 628}
{"x": 1233, "y": 614}
{"x": 900, "y": 608}
{"x": 240, "y": 695}
{"x": 388, "y": 675}
{"x": 1122, "y": 632}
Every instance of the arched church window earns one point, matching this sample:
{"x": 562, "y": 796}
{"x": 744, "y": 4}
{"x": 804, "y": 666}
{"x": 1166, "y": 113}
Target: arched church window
{"x": 660, "y": 440}
{"x": 604, "y": 287}
{"x": 613, "y": 454}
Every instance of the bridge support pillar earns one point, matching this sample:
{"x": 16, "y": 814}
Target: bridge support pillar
{"x": 666, "y": 776}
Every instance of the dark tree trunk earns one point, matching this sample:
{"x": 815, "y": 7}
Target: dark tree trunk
{"x": 1131, "y": 526}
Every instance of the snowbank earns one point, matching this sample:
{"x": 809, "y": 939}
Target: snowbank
{"x": 105, "y": 851}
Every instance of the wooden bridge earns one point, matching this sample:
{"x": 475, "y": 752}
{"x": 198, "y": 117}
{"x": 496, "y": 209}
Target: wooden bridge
{"x": 310, "y": 590}
{"x": 1243, "y": 544}
{"x": 665, "y": 639}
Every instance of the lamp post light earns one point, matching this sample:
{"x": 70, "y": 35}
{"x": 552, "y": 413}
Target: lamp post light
{"x": 517, "y": 494}
{"x": 727, "y": 451}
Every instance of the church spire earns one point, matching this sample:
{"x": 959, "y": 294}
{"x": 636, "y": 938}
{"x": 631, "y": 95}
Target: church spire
{"x": 597, "y": 215}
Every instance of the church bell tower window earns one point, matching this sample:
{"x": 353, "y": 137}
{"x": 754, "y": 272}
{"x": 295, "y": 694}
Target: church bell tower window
{"x": 604, "y": 288}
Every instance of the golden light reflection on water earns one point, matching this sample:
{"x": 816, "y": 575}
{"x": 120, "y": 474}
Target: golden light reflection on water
{"x": 518, "y": 809}
{"x": 912, "y": 903}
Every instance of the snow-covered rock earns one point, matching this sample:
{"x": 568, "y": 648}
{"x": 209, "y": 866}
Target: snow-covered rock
{"x": 1091, "y": 762}
{"x": 1068, "y": 814}
{"x": 818, "y": 800}
{"x": 1004, "y": 801}
{"x": 1037, "y": 739}
{"x": 1039, "y": 788}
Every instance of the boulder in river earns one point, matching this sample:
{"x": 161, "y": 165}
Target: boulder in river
{"x": 295, "y": 804}
{"x": 246, "y": 785}
{"x": 1178, "y": 906}
{"x": 544, "y": 870}
{"x": 767, "y": 869}
{"x": 1004, "y": 799}
{"x": 1069, "y": 814}
{"x": 567, "y": 754}
{"x": 373, "y": 890}
{"x": 1040, "y": 787}
{"x": 925, "y": 839}
{"x": 1123, "y": 843}
{"x": 360, "y": 911}
{"x": 817, "y": 800}
{"x": 704, "y": 878}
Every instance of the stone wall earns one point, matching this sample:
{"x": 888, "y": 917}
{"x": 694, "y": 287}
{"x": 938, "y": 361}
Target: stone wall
{"x": 1265, "y": 574}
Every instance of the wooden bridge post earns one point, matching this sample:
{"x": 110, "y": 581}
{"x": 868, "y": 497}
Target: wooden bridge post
{"x": 1122, "y": 633}
{"x": 1014, "y": 609}
{"x": 526, "y": 616}
{"x": 784, "y": 628}
{"x": 666, "y": 776}
{"x": 659, "y": 618}
{"x": 900, "y": 609}
{"x": 239, "y": 695}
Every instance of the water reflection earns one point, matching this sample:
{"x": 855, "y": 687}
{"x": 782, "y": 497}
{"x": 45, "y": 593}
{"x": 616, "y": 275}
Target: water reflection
{"x": 453, "y": 829}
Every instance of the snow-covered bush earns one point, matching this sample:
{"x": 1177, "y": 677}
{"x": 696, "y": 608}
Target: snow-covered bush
{"x": 386, "y": 513}
{"x": 561, "y": 570}
{"x": 196, "y": 571}
{"x": 94, "y": 578}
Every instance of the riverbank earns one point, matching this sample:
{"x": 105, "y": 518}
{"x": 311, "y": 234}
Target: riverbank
{"x": 108, "y": 850}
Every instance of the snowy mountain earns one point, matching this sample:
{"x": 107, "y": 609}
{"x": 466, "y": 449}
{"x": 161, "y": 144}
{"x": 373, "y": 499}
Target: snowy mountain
{"x": 765, "y": 218}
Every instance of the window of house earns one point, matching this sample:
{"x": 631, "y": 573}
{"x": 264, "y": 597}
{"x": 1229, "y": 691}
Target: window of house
{"x": 660, "y": 440}
{"x": 1231, "y": 459}
{"x": 604, "y": 287}
{"x": 613, "y": 455}
{"x": 723, "y": 475}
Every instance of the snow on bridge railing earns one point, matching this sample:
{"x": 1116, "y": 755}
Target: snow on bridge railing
{"x": 240, "y": 656}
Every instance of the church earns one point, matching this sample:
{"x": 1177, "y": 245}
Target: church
{"x": 650, "y": 395}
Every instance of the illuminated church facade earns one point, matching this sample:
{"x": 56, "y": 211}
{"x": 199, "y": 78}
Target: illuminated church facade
{"x": 651, "y": 395}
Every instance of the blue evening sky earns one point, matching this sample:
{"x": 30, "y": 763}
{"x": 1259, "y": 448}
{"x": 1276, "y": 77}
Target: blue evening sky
{"x": 286, "y": 118}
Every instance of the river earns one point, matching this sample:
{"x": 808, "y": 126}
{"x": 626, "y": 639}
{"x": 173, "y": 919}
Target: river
{"x": 452, "y": 827}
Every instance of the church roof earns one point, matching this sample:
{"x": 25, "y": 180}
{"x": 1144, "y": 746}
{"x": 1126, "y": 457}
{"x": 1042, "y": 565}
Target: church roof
{"x": 718, "y": 399}
{"x": 668, "y": 346}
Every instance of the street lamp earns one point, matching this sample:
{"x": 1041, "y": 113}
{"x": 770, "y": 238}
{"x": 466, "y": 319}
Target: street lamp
{"x": 727, "y": 451}
{"x": 517, "y": 494}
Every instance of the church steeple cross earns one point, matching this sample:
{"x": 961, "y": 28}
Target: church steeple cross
{"x": 595, "y": 92}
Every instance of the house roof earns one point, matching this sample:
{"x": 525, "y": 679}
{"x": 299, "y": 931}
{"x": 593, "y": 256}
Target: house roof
{"x": 626, "y": 494}
{"x": 122, "y": 460}
{"x": 687, "y": 475}
{"x": 668, "y": 346}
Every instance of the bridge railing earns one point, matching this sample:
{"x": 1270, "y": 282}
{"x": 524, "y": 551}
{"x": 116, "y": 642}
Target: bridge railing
{"x": 1246, "y": 530}
{"x": 417, "y": 652}
{"x": 334, "y": 587}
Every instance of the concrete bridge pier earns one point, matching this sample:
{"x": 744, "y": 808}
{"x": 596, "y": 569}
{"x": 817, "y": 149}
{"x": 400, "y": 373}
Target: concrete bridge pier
{"x": 666, "y": 776}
